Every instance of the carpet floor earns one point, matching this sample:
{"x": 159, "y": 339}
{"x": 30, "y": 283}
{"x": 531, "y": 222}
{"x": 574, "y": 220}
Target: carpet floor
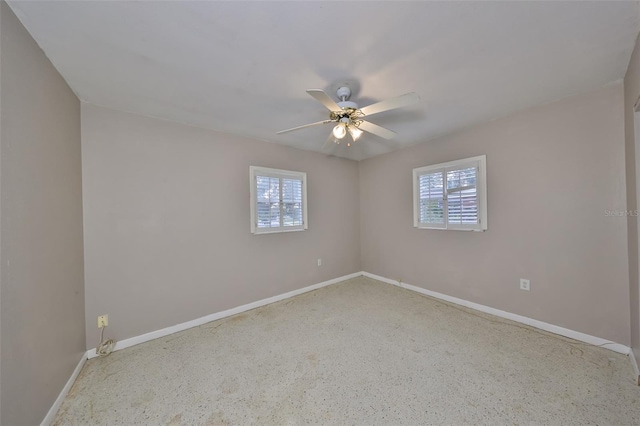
{"x": 360, "y": 352}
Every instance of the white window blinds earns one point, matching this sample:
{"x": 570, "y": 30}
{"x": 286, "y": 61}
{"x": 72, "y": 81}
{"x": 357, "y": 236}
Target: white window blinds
{"x": 432, "y": 198}
{"x": 462, "y": 196}
{"x": 451, "y": 195}
{"x": 278, "y": 200}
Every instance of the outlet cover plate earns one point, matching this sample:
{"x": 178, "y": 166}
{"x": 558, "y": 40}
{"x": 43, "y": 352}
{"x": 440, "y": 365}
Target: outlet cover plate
{"x": 103, "y": 321}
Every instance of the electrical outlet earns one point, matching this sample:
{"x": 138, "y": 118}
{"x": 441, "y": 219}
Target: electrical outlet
{"x": 319, "y": 262}
{"x": 525, "y": 284}
{"x": 103, "y": 321}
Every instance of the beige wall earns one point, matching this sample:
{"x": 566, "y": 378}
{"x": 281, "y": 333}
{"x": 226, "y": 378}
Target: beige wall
{"x": 167, "y": 236}
{"x": 42, "y": 294}
{"x": 2, "y": 6}
{"x": 631, "y": 95}
{"x": 552, "y": 171}
{"x": 167, "y": 229}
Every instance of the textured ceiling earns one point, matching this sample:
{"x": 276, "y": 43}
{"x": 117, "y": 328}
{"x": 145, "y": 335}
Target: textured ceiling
{"x": 243, "y": 67}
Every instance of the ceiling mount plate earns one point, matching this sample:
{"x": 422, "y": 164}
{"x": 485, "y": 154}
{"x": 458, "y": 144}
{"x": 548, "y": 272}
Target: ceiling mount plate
{"x": 344, "y": 93}
{"x": 351, "y": 83}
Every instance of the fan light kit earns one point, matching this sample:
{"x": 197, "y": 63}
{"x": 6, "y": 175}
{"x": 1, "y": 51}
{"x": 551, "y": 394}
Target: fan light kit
{"x": 340, "y": 131}
{"x": 349, "y": 118}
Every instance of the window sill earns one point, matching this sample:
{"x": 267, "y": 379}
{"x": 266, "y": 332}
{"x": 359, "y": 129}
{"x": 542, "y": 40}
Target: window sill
{"x": 278, "y": 231}
{"x": 450, "y": 229}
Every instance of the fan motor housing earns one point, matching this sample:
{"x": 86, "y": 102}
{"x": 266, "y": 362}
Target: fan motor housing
{"x": 348, "y": 105}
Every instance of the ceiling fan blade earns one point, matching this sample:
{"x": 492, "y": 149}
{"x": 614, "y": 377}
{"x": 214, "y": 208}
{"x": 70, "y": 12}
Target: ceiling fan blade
{"x": 324, "y": 99}
{"x": 302, "y": 127}
{"x": 376, "y": 130}
{"x": 393, "y": 103}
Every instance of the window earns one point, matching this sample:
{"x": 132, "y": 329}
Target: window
{"x": 278, "y": 200}
{"x": 451, "y": 195}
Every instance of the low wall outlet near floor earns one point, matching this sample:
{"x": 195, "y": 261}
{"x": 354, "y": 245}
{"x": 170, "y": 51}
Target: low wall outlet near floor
{"x": 525, "y": 284}
{"x": 319, "y": 262}
{"x": 103, "y": 321}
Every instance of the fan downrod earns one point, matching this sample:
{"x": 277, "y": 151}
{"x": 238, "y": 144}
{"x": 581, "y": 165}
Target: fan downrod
{"x": 344, "y": 93}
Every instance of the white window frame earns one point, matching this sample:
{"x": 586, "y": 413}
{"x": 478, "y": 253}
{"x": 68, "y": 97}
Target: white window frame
{"x": 481, "y": 189}
{"x": 254, "y": 172}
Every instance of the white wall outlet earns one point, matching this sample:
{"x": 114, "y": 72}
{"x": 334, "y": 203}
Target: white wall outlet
{"x": 103, "y": 321}
{"x": 525, "y": 284}
{"x": 319, "y": 262}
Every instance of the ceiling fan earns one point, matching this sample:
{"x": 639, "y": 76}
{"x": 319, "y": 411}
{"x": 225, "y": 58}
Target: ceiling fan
{"x": 349, "y": 118}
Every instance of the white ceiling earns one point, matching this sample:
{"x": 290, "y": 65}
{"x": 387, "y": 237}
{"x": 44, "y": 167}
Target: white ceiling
{"x": 243, "y": 67}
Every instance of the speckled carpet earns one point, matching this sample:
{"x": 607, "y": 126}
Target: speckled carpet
{"x": 359, "y": 352}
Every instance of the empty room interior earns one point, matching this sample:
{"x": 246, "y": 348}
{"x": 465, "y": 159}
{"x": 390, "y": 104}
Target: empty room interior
{"x": 389, "y": 213}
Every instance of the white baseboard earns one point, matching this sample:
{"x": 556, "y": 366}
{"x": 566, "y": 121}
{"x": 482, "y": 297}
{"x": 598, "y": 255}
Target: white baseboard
{"x": 219, "y": 315}
{"x": 596, "y": 341}
{"x": 576, "y": 335}
{"x": 91, "y": 353}
{"x": 634, "y": 365}
{"x": 51, "y": 415}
